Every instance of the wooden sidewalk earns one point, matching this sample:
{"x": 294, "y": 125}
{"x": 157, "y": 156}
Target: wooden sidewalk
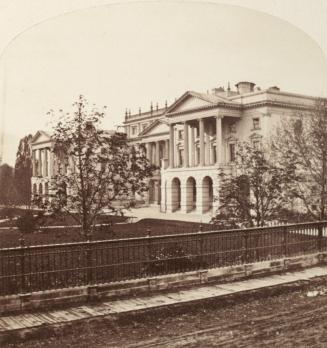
{"x": 20, "y": 325}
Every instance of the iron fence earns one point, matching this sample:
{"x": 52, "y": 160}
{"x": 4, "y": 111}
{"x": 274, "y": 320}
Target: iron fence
{"x": 37, "y": 268}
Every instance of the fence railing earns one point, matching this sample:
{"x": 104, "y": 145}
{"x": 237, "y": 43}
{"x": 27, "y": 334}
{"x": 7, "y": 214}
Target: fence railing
{"x": 37, "y": 268}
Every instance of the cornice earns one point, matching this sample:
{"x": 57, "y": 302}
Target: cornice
{"x": 147, "y": 136}
{"x": 279, "y": 104}
{"x": 203, "y": 108}
{"x": 137, "y": 120}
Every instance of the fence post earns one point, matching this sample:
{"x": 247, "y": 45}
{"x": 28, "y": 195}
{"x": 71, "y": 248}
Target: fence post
{"x": 22, "y": 264}
{"x": 89, "y": 267}
{"x": 201, "y": 240}
{"x": 320, "y": 229}
{"x": 285, "y": 241}
{"x": 245, "y": 247}
{"x": 149, "y": 258}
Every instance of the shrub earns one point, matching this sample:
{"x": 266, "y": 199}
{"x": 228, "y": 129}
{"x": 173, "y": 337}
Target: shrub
{"x": 173, "y": 258}
{"x": 7, "y": 213}
{"x": 27, "y": 223}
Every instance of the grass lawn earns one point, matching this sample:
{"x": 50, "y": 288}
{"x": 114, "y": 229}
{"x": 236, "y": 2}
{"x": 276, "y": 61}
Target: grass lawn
{"x": 51, "y": 235}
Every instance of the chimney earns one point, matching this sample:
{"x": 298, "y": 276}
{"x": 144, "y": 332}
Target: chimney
{"x": 219, "y": 90}
{"x": 245, "y": 87}
{"x": 274, "y": 88}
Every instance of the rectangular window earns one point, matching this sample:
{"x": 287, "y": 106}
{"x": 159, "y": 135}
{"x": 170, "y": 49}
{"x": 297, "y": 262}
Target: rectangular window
{"x": 197, "y": 159}
{"x": 232, "y": 152}
{"x": 214, "y": 154}
{"x": 180, "y": 135}
{"x": 232, "y": 128}
{"x": 256, "y": 123}
{"x": 181, "y": 157}
{"x": 134, "y": 130}
{"x": 256, "y": 144}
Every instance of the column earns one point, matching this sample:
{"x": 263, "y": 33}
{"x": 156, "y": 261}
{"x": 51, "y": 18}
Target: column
{"x": 219, "y": 138}
{"x": 186, "y": 145}
{"x": 34, "y": 162}
{"x": 51, "y": 162}
{"x": 157, "y": 153}
{"x": 192, "y": 146}
{"x": 201, "y": 128}
{"x": 167, "y": 148}
{"x": 46, "y": 162}
{"x": 171, "y": 146}
{"x": 207, "y": 146}
{"x": 148, "y": 151}
{"x": 39, "y": 172}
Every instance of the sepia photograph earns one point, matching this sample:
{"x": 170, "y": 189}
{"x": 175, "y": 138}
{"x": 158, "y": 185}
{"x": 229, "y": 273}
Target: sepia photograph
{"x": 163, "y": 173}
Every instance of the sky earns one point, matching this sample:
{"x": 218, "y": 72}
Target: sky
{"x": 128, "y": 55}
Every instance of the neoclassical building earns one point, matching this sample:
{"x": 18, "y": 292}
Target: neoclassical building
{"x": 196, "y": 135}
{"x": 189, "y": 141}
{"x": 43, "y": 162}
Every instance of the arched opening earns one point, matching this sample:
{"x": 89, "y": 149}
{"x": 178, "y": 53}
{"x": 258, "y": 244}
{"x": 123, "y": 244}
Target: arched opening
{"x": 40, "y": 189}
{"x": 151, "y": 191}
{"x": 176, "y": 194}
{"x": 190, "y": 194}
{"x": 207, "y": 194}
{"x": 165, "y": 209}
{"x": 159, "y": 192}
{"x": 46, "y": 191}
{"x": 34, "y": 190}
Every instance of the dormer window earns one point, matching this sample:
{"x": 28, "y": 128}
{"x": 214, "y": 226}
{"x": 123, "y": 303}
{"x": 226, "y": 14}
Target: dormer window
{"x": 256, "y": 123}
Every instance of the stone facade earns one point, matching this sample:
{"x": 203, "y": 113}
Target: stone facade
{"x": 189, "y": 141}
{"x": 43, "y": 163}
{"x": 196, "y": 135}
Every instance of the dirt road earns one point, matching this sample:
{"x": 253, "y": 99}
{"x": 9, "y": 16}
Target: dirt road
{"x": 286, "y": 319}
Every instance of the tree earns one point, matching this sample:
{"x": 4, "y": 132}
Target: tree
{"x": 23, "y": 170}
{"x": 252, "y": 194}
{"x": 301, "y": 143}
{"x": 96, "y": 167}
{"x": 7, "y": 189}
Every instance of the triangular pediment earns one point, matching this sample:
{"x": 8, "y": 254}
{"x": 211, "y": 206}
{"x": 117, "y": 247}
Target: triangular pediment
{"x": 193, "y": 100}
{"x": 156, "y": 127}
{"x": 40, "y": 137}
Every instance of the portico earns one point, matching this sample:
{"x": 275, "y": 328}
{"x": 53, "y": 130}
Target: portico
{"x": 196, "y": 143}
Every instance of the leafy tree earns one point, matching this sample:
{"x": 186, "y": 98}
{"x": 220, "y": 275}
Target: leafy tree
{"x": 301, "y": 143}
{"x": 252, "y": 193}
{"x": 23, "y": 170}
{"x": 7, "y": 190}
{"x": 96, "y": 167}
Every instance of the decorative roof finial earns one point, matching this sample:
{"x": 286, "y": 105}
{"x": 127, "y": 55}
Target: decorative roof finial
{"x": 151, "y": 108}
{"x": 126, "y": 114}
{"x": 129, "y": 113}
{"x": 140, "y": 111}
{"x": 228, "y": 88}
{"x": 157, "y": 106}
{"x": 166, "y": 104}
